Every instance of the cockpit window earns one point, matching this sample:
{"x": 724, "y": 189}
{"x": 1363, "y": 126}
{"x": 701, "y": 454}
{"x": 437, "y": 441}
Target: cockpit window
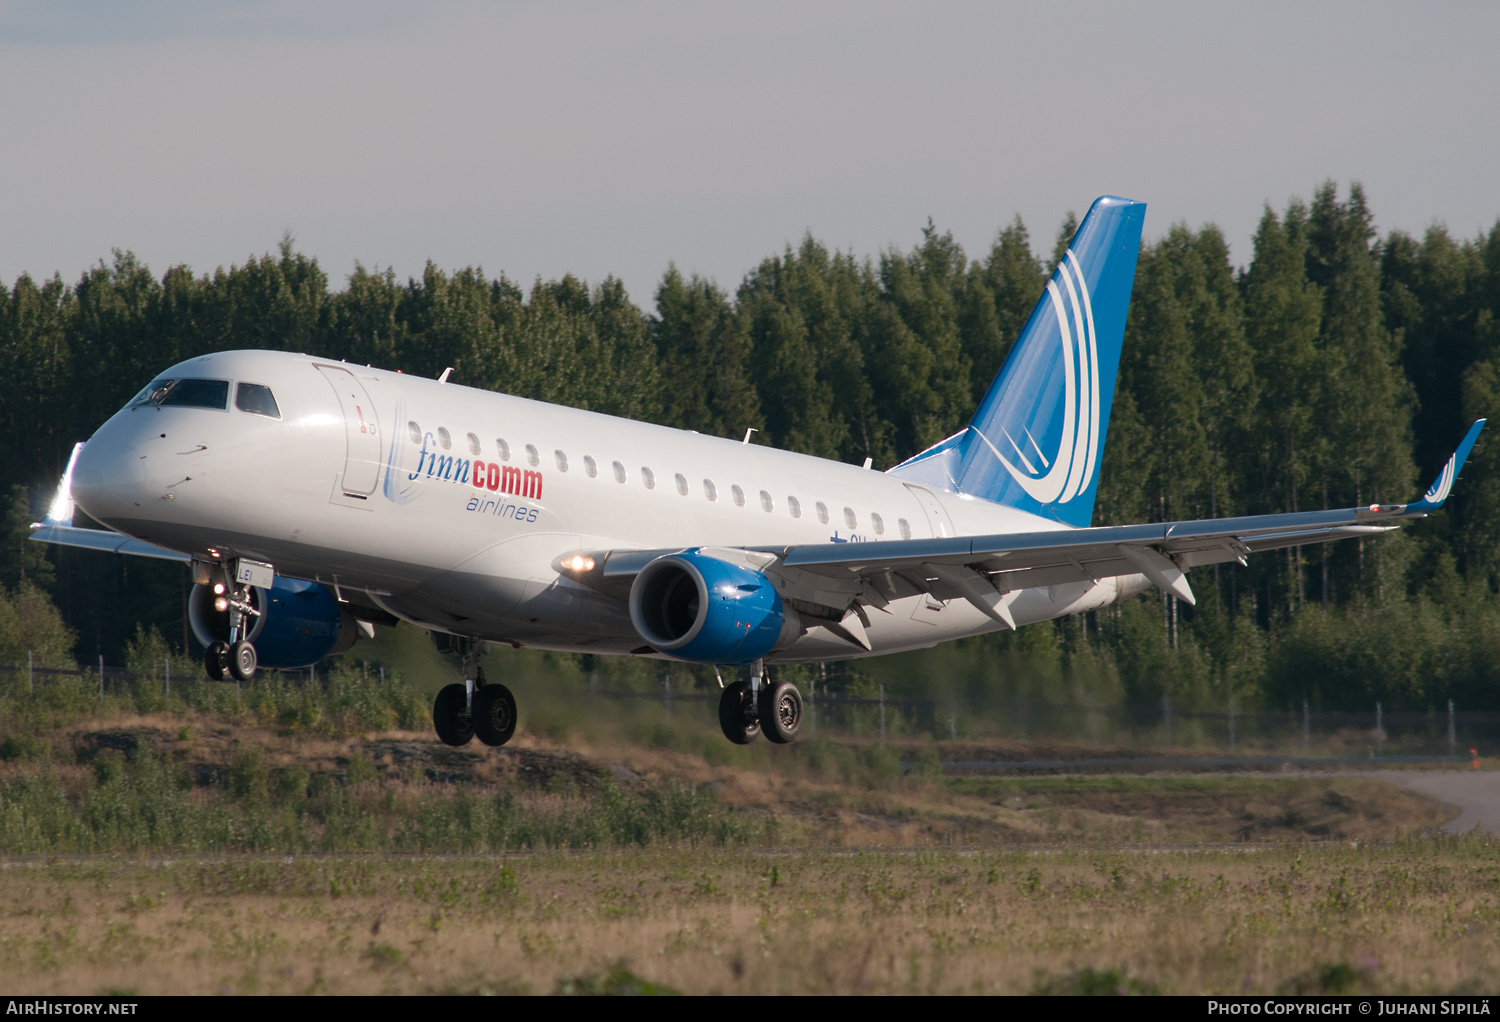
{"x": 256, "y": 399}
{"x": 187, "y": 393}
{"x": 144, "y": 397}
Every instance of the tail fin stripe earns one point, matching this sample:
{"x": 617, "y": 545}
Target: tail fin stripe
{"x": 1439, "y": 491}
{"x": 1036, "y": 447}
{"x": 1022, "y": 454}
{"x": 1095, "y": 426}
{"x": 1088, "y": 384}
{"x": 1080, "y": 423}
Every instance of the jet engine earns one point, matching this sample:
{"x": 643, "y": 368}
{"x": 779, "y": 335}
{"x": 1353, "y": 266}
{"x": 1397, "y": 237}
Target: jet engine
{"x": 695, "y": 607}
{"x": 300, "y": 622}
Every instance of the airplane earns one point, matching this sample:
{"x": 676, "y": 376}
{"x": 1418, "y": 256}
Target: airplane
{"x": 316, "y": 499}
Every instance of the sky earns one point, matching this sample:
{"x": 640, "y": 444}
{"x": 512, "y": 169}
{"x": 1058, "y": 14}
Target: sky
{"x": 537, "y": 139}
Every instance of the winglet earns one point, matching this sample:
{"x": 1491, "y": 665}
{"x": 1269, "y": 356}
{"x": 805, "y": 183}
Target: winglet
{"x": 60, "y": 511}
{"x": 1438, "y": 491}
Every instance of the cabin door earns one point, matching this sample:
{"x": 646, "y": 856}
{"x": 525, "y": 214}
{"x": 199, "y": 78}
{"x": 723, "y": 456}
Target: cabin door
{"x": 937, "y": 515}
{"x": 362, "y": 453}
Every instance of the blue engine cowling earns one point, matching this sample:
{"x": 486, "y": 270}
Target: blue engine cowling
{"x": 300, "y": 623}
{"x": 694, "y": 607}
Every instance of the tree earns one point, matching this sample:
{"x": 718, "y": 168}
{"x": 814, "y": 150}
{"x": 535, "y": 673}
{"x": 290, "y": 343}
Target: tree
{"x": 703, "y": 354}
{"x": 1014, "y": 278}
{"x": 1368, "y": 412}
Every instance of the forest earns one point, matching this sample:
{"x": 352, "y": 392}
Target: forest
{"x": 1338, "y": 367}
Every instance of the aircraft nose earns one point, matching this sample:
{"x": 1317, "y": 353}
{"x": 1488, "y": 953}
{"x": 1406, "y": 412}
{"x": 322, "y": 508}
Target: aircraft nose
{"x": 104, "y": 482}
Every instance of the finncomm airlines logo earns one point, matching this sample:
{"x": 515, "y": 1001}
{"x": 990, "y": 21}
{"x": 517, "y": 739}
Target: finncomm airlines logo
{"x": 484, "y": 475}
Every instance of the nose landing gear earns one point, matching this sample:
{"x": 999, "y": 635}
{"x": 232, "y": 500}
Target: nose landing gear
{"x": 237, "y": 657}
{"x": 216, "y": 660}
{"x": 462, "y": 712}
{"x": 749, "y": 708}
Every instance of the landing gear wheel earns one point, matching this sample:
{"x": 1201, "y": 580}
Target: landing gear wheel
{"x": 780, "y": 711}
{"x": 242, "y": 661}
{"x": 215, "y": 659}
{"x": 450, "y": 716}
{"x": 494, "y": 714}
{"x": 737, "y": 714}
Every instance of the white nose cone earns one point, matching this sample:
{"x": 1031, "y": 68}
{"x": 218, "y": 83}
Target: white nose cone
{"x": 102, "y": 480}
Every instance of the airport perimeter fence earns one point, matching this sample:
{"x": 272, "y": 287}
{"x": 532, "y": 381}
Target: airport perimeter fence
{"x": 1141, "y": 730}
{"x": 1157, "y": 728}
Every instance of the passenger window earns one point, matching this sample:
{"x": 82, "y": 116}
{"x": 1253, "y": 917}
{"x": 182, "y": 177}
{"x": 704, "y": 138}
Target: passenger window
{"x": 648, "y": 478}
{"x": 532, "y": 457}
{"x": 473, "y": 444}
{"x": 710, "y": 490}
{"x": 794, "y": 506}
{"x": 562, "y": 460}
{"x": 619, "y": 472}
{"x": 197, "y": 394}
{"x": 590, "y": 466}
{"x": 849, "y": 518}
{"x": 766, "y": 503}
{"x": 504, "y": 449}
{"x": 822, "y": 512}
{"x": 738, "y": 495}
{"x": 257, "y": 400}
{"x": 414, "y": 431}
{"x": 878, "y": 522}
{"x": 905, "y": 527}
{"x": 681, "y": 481}
{"x": 445, "y": 440}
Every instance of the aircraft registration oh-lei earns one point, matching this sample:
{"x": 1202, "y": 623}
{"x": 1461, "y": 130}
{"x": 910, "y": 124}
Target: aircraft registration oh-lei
{"x": 316, "y": 499}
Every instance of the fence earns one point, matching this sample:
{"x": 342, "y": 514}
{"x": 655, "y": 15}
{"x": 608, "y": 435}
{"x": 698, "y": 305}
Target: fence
{"x": 1373, "y": 734}
{"x": 116, "y": 679}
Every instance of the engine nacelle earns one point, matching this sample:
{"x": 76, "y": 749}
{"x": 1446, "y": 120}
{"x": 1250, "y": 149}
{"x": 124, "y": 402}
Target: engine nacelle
{"x": 300, "y": 623}
{"x": 709, "y": 611}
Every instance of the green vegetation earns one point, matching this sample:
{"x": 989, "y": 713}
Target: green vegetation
{"x": 141, "y": 802}
{"x": 1336, "y": 367}
{"x": 348, "y": 763}
{"x": 1416, "y": 918}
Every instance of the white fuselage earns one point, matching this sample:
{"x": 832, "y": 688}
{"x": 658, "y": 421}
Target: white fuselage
{"x": 376, "y": 481}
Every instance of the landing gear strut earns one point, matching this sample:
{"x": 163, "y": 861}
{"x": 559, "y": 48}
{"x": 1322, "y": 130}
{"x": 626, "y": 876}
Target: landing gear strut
{"x": 749, "y": 708}
{"x": 237, "y": 657}
{"x": 474, "y": 708}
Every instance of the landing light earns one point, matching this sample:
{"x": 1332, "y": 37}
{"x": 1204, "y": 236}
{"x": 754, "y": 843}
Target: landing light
{"x": 221, "y": 604}
{"x": 580, "y": 563}
{"x": 218, "y": 588}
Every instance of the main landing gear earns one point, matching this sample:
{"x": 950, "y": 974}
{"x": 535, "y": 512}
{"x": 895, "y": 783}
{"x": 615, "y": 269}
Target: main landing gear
{"x": 474, "y": 709}
{"x": 749, "y": 708}
{"x": 235, "y": 658}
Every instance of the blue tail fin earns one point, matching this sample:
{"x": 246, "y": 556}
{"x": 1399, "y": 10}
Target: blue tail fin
{"x": 1037, "y": 440}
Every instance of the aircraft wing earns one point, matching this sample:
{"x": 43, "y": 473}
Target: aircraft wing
{"x": 839, "y": 578}
{"x": 101, "y": 539}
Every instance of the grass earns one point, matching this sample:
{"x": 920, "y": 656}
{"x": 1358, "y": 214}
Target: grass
{"x": 1420, "y": 917}
{"x": 288, "y": 838}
